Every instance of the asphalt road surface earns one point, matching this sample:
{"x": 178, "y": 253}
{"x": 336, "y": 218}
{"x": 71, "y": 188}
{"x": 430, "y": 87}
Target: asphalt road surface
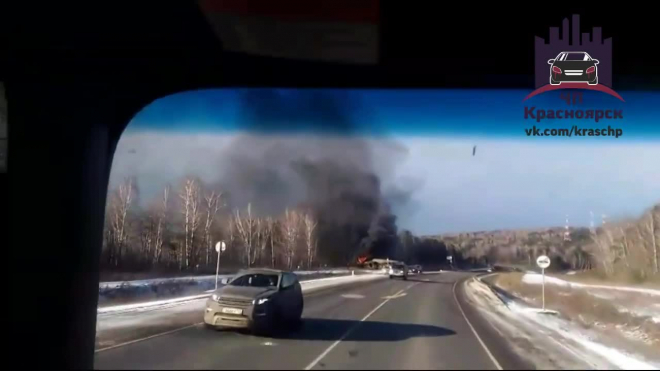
{"x": 422, "y": 323}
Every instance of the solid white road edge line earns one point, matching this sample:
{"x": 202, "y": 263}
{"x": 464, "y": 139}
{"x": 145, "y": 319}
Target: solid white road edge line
{"x": 331, "y": 347}
{"x": 147, "y": 338}
{"x": 483, "y": 345}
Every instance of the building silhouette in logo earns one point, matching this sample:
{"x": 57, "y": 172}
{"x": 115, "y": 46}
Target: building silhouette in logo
{"x": 573, "y": 40}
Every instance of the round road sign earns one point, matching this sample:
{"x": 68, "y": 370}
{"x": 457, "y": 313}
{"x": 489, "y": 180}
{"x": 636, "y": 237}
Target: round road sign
{"x": 220, "y": 246}
{"x": 543, "y": 262}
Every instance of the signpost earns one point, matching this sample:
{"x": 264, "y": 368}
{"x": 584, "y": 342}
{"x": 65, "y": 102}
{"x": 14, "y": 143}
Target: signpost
{"x": 219, "y": 247}
{"x": 543, "y": 262}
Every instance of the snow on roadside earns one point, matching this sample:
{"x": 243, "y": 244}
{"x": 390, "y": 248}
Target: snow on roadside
{"x": 613, "y": 294}
{"x": 152, "y": 305}
{"x": 116, "y": 284}
{"x": 537, "y": 279}
{"x": 572, "y": 332}
{"x": 548, "y": 340}
{"x": 163, "y": 304}
{"x": 130, "y": 292}
{"x": 652, "y": 312}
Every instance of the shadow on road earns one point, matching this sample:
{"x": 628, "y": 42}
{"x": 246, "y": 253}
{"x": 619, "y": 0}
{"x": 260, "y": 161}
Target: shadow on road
{"x": 334, "y": 329}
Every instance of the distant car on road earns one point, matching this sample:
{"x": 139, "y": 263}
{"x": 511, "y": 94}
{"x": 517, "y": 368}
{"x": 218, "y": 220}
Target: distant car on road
{"x": 398, "y": 270}
{"x": 417, "y": 269}
{"x": 256, "y": 299}
{"x": 573, "y": 67}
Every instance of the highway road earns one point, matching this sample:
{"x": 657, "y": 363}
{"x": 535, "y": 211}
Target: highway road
{"x": 422, "y": 323}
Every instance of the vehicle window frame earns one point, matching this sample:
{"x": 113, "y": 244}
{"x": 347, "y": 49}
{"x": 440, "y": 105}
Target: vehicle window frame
{"x": 578, "y": 60}
{"x": 285, "y": 276}
{"x": 243, "y": 277}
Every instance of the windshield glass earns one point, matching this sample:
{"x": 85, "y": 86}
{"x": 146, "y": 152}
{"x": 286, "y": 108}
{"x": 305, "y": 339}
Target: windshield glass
{"x": 256, "y": 280}
{"x": 577, "y": 57}
{"x": 524, "y": 224}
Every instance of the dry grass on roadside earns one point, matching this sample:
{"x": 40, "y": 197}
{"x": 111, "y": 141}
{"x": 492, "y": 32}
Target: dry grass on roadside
{"x": 637, "y": 334}
{"x": 619, "y": 279}
{"x": 577, "y": 304}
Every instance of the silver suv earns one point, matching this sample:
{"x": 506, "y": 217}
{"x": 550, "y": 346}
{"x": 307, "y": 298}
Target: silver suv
{"x": 398, "y": 270}
{"x": 256, "y": 299}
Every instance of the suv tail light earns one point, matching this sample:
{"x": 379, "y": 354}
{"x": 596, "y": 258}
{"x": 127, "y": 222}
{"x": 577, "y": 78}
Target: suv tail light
{"x": 591, "y": 69}
{"x": 557, "y": 70}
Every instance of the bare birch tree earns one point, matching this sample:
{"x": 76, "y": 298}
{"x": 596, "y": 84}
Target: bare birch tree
{"x": 231, "y": 232}
{"x": 147, "y": 235}
{"x": 263, "y": 236}
{"x": 291, "y": 230}
{"x": 605, "y": 254}
{"x": 246, "y": 230}
{"x": 160, "y": 225}
{"x": 651, "y": 229}
{"x": 191, "y": 212}
{"x": 310, "y": 228}
{"x": 270, "y": 225}
{"x": 120, "y": 204}
{"x": 213, "y": 203}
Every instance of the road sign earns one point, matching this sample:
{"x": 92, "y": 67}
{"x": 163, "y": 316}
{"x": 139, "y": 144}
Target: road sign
{"x": 450, "y": 258}
{"x": 220, "y": 246}
{"x": 543, "y": 262}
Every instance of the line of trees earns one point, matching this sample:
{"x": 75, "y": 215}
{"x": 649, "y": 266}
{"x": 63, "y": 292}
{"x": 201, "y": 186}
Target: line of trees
{"x": 178, "y": 230}
{"x": 629, "y": 246}
{"x": 623, "y": 248}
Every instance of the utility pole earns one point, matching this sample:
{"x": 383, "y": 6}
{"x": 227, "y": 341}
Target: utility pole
{"x": 567, "y": 233}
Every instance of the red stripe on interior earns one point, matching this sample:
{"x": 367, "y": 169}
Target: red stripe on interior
{"x": 353, "y": 11}
{"x": 574, "y": 85}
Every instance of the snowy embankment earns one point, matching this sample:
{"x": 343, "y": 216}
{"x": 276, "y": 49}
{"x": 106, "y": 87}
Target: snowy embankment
{"x": 633, "y": 300}
{"x": 556, "y": 340}
{"x": 307, "y": 285}
{"x": 129, "y": 292}
{"x": 117, "y": 284}
{"x": 537, "y": 279}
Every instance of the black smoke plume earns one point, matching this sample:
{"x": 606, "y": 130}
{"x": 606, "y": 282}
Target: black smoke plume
{"x": 308, "y": 153}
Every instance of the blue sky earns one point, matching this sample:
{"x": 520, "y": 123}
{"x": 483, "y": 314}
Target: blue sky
{"x": 399, "y": 112}
{"x": 513, "y": 182}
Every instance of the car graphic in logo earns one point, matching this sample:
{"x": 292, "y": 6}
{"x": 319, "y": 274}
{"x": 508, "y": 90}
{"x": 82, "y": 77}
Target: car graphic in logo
{"x": 573, "y": 67}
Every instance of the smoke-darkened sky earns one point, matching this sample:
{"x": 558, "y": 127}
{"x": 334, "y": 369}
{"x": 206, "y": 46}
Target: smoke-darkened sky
{"x": 417, "y": 143}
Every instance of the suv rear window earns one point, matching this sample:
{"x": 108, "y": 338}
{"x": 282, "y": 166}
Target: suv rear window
{"x": 256, "y": 280}
{"x": 577, "y": 57}
{"x": 288, "y": 279}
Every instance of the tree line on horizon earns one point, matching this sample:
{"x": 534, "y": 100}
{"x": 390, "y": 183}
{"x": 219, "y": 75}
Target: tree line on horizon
{"x": 178, "y": 231}
{"x": 624, "y": 248}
